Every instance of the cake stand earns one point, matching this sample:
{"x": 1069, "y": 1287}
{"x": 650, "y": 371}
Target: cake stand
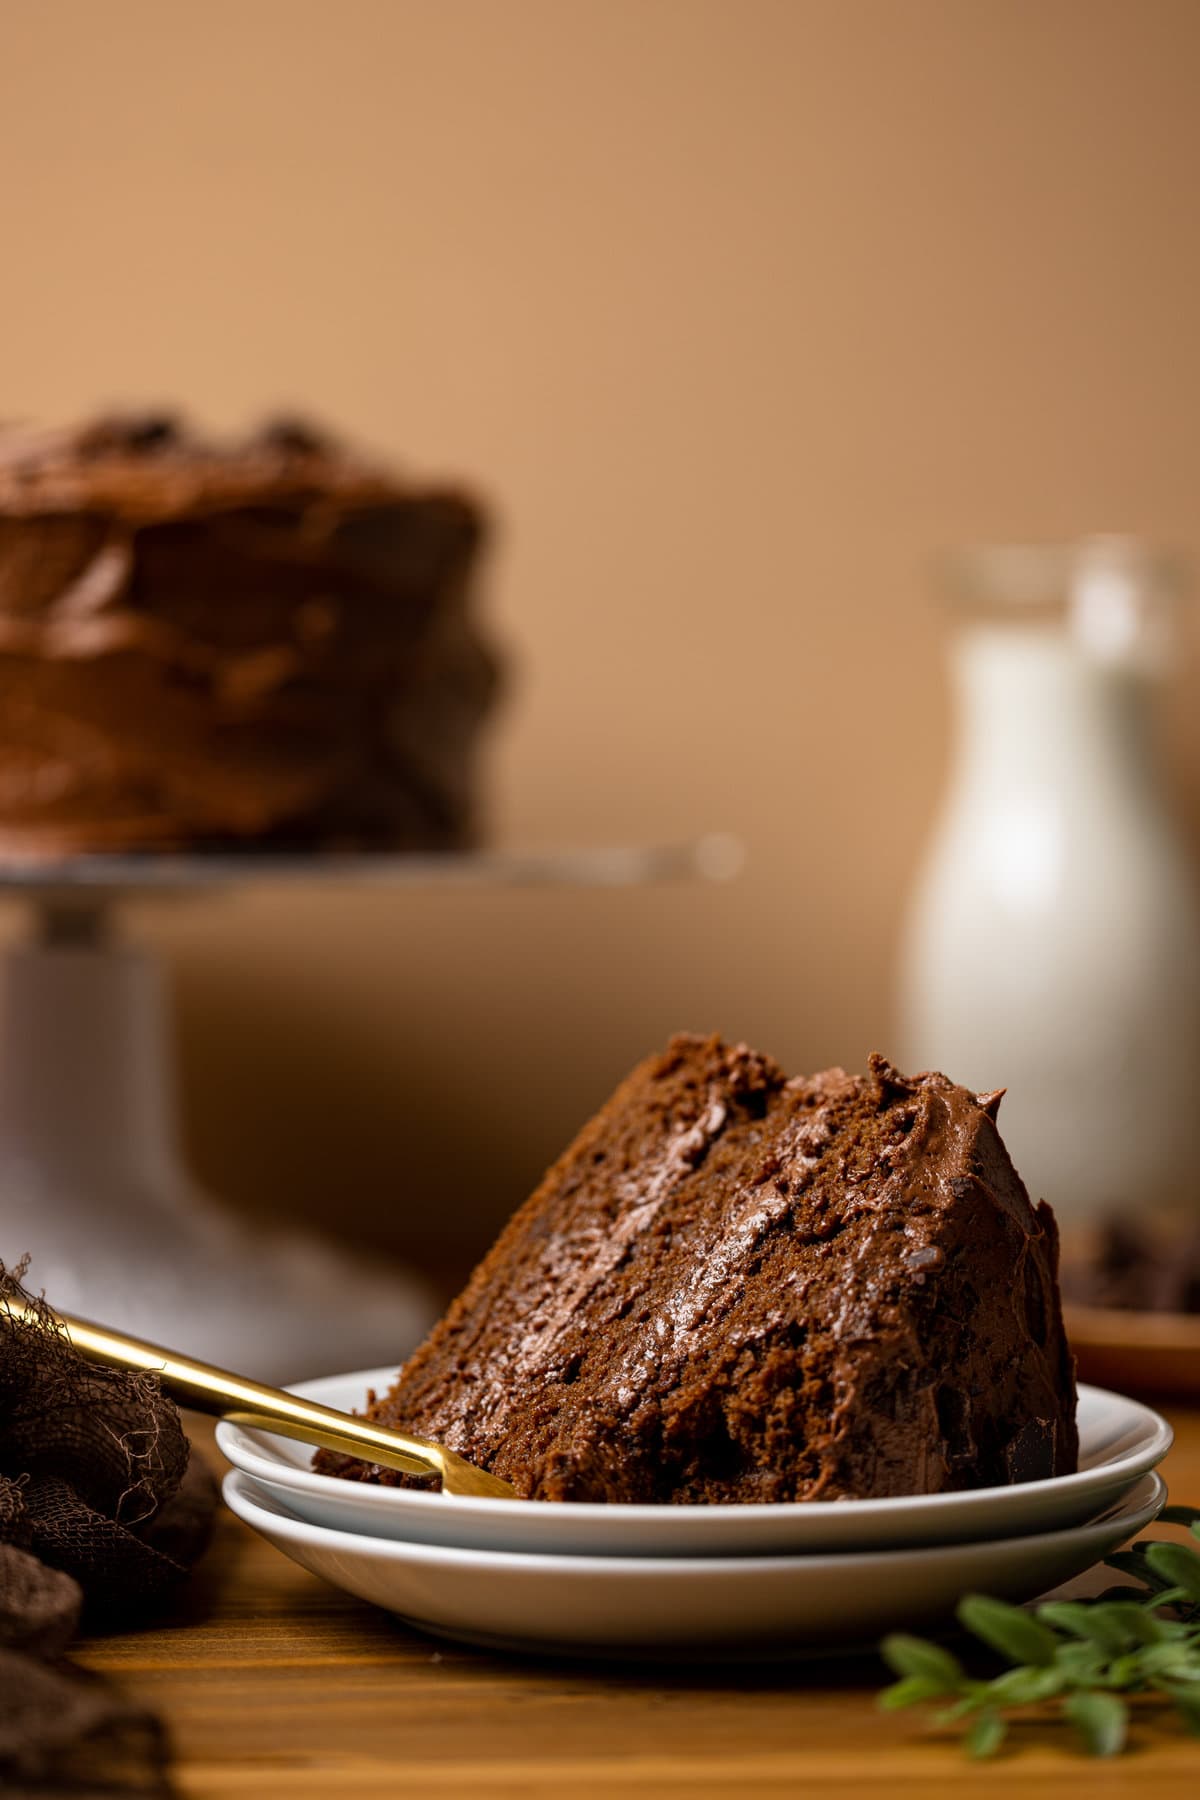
{"x": 93, "y": 1182}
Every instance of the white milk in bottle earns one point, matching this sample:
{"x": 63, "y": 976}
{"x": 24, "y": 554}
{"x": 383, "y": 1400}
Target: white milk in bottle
{"x": 1053, "y": 940}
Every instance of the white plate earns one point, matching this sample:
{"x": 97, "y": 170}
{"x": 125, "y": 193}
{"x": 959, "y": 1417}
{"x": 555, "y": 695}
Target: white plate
{"x": 1120, "y": 1440}
{"x": 681, "y": 1606}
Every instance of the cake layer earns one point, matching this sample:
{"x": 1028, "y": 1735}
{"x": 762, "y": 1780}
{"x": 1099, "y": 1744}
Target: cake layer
{"x": 268, "y": 643}
{"x": 739, "y": 1287}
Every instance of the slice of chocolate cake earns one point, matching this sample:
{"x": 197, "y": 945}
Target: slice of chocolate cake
{"x": 736, "y": 1287}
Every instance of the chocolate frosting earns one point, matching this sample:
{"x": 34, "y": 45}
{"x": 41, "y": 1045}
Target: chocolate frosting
{"x": 267, "y": 642}
{"x": 735, "y": 1286}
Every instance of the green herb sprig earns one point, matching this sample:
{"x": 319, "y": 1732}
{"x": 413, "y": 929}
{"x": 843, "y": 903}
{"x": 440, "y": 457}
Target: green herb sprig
{"x": 1076, "y": 1657}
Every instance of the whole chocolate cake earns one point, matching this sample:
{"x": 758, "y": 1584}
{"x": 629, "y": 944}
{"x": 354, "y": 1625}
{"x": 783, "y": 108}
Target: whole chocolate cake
{"x": 739, "y": 1287}
{"x": 262, "y": 644}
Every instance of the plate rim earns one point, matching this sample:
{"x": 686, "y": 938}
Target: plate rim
{"x": 1135, "y": 1463}
{"x": 531, "y": 1562}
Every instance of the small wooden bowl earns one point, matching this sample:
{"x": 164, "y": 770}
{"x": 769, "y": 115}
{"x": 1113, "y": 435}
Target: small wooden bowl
{"x": 1136, "y": 1352}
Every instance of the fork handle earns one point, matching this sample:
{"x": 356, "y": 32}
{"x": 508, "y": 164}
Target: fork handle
{"x": 212, "y": 1390}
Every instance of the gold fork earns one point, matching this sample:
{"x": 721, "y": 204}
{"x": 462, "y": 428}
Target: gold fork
{"x": 212, "y": 1390}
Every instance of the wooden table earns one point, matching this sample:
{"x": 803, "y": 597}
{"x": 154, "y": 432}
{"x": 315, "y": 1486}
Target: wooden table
{"x": 276, "y": 1687}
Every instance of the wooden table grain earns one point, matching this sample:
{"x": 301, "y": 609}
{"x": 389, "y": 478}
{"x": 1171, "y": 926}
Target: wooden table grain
{"x": 276, "y": 1687}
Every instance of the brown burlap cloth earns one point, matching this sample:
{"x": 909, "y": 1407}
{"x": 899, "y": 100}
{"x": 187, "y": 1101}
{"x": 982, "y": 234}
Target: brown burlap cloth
{"x": 101, "y": 1516}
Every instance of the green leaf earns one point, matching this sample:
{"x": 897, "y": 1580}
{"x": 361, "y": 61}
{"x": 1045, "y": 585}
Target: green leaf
{"x": 969, "y": 1703}
{"x": 1146, "y": 1544}
{"x": 909, "y": 1691}
{"x": 906, "y": 1655}
{"x": 1187, "y": 1704}
{"x": 1114, "y": 1619}
{"x": 1066, "y": 1615}
{"x": 1137, "y": 1620}
{"x": 986, "y": 1735}
{"x": 1008, "y": 1629}
{"x": 1181, "y": 1515}
{"x": 1026, "y": 1686}
{"x": 1170, "y": 1597}
{"x": 1100, "y": 1719}
{"x": 1176, "y": 1565}
{"x": 1130, "y": 1562}
{"x": 1125, "y": 1672}
{"x": 1123, "y": 1620}
{"x": 1081, "y": 1663}
{"x": 1134, "y": 1564}
{"x": 1089, "y": 1653}
{"x": 1161, "y": 1659}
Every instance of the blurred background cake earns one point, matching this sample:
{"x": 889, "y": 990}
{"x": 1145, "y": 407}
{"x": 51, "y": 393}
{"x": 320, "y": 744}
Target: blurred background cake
{"x": 266, "y": 642}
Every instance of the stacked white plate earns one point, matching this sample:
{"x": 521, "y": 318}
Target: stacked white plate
{"x": 707, "y": 1581}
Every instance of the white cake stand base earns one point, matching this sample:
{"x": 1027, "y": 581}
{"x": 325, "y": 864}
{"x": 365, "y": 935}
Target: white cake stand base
{"x": 93, "y": 1186}
{"x": 93, "y": 1183}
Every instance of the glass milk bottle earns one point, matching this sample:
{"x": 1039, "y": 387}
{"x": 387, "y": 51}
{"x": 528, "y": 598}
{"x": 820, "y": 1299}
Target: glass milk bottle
{"x": 1052, "y": 945}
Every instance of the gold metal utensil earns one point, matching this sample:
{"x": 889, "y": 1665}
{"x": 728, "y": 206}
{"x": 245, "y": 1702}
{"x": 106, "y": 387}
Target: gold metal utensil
{"x": 211, "y": 1390}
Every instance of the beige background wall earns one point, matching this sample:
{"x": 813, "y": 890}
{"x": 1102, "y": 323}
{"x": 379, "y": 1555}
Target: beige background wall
{"x": 738, "y": 310}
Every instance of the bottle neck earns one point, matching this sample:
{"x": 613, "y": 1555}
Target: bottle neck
{"x": 1035, "y": 707}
